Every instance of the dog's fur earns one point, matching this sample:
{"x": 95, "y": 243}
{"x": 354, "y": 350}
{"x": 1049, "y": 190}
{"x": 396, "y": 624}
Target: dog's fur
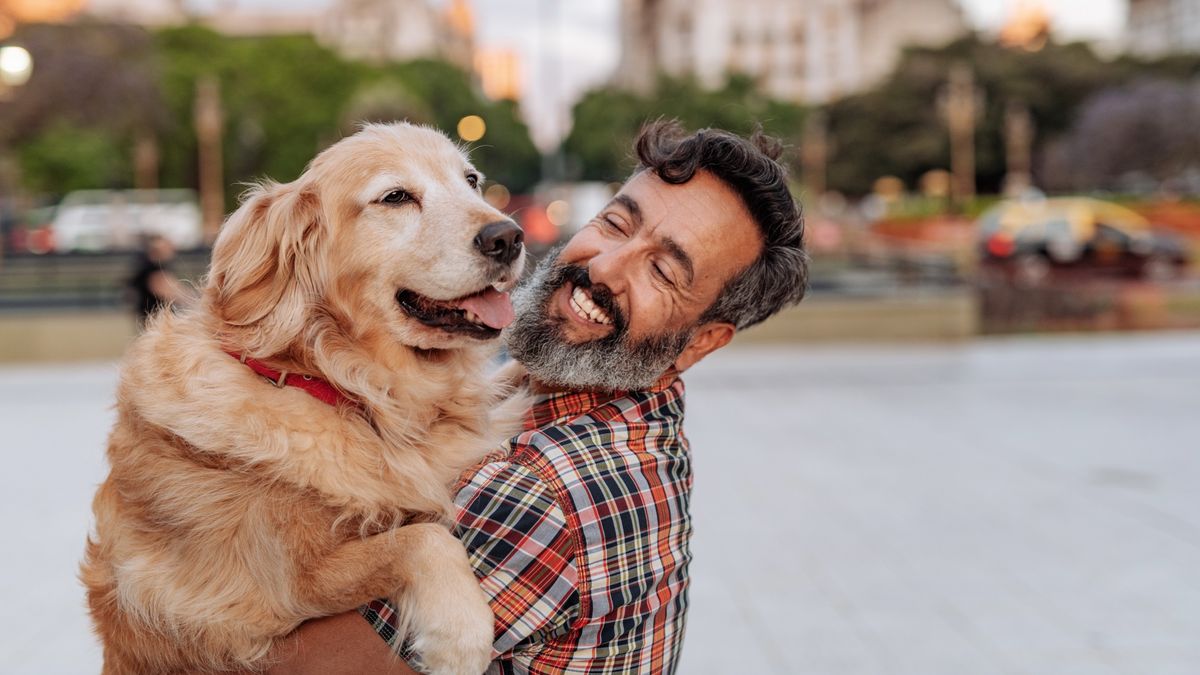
{"x": 234, "y": 509}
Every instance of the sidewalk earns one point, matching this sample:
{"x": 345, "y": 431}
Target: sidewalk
{"x": 1019, "y": 506}
{"x": 1016, "y": 506}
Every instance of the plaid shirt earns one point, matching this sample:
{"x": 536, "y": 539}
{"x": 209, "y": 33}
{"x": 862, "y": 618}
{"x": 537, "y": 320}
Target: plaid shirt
{"x": 578, "y": 531}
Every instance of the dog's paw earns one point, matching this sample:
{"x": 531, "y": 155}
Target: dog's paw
{"x": 456, "y": 639}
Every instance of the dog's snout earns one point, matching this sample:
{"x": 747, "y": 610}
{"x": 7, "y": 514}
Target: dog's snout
{"x": 500, "y": 240}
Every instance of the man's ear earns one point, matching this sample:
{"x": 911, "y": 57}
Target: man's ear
{"x": 709, "y": 338}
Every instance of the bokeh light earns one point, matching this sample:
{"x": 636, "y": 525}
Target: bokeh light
{"x": 558, "y": 211}
{"x": 497, "y": 195}
{"x": 471, "y": 128}
{"x": 16, "y": 65}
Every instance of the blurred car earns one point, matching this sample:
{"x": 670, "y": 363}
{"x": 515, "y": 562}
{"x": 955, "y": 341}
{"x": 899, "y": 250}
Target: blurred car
{"x": 100, "y": 220}
{"x": 1027, "y": 240}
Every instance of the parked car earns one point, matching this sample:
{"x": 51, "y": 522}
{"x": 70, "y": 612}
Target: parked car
{"x": 100, "y": 220}
{"x": 1029, "y": 240}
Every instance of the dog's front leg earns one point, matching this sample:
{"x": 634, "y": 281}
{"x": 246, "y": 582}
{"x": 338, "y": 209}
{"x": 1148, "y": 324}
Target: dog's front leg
{"x": 425, "y": 570}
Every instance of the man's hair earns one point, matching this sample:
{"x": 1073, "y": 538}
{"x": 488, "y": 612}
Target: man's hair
{"x": 779, "y": 276}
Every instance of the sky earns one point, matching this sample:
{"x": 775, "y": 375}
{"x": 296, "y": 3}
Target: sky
{"x": 568, "y": 46}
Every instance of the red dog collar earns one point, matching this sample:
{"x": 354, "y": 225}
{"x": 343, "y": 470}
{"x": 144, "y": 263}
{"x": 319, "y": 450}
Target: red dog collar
{"x": 315, "y": 387}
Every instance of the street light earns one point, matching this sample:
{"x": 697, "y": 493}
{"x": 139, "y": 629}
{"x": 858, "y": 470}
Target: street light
{"x": 16, "y": 65}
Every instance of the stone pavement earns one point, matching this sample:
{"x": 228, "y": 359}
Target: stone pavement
{"x": 1010, "y": 506}
{"x": 1017, "y": 506}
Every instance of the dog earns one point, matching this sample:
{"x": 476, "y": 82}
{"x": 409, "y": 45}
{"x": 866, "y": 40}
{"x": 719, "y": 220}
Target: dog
{"x": 285, "y": 449}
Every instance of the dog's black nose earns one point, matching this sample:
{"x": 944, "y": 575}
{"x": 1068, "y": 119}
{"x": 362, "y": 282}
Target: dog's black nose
{"x": 500, "y": 240}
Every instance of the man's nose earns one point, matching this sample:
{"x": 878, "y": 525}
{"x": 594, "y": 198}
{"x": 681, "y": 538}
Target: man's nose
{"x": 501, "y": 241}
{"x": 610, "y": 267}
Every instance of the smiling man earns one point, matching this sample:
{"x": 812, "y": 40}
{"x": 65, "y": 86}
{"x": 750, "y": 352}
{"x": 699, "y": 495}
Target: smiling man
{"x": 578, "y": 528}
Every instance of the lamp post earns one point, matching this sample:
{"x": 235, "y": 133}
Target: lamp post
{"x": 208, "y": 124}
{"x": 1018, "y": 148}
{"x": 961, "y": 104}
{"x": 16, "y": 66}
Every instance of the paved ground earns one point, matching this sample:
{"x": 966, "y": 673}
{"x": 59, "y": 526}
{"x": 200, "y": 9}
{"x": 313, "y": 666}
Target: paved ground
{"x": 1018, "y": 506}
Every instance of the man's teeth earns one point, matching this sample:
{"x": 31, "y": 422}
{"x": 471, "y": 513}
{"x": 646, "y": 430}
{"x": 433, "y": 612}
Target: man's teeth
{"x": 586, "y": 309}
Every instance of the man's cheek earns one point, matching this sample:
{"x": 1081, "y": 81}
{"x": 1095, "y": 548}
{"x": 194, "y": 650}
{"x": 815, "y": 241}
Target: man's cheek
{"x": 644, "y": 319}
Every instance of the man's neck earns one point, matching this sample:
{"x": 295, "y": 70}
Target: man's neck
{"x": 539, "y": 387}
{"x": 544, "y": 388}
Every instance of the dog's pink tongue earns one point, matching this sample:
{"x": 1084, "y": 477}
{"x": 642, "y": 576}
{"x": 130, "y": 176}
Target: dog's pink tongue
{"x": 491, "y": 306}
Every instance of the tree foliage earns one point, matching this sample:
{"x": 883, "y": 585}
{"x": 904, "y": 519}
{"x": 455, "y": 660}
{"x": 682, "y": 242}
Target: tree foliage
{"x": 607, "y": 119}
{"x": 70, "y": 125}
{"x": 63, "y": 157}
{"x": 1130, "y": 138}
{"x": 896, "y": 127}
{"x": 284, "y": 99}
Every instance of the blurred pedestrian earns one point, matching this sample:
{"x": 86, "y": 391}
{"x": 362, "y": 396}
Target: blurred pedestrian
{"x": 153, "y": 284}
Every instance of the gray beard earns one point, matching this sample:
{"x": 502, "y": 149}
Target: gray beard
{"x": 611, "y": 363}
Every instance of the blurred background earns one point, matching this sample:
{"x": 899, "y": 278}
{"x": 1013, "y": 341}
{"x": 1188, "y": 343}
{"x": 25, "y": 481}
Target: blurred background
{"x": 970, "y": 450}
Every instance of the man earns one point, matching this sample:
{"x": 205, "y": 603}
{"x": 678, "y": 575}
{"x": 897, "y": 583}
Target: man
{"x": 578, "y": 529}
{"x": 153, "y": 284}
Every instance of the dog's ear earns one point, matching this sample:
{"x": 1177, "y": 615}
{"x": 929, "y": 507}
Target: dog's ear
{"x": 262, "y": 271}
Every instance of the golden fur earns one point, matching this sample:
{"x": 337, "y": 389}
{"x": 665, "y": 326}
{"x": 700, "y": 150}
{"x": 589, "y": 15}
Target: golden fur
{"x": 235, "y": 509}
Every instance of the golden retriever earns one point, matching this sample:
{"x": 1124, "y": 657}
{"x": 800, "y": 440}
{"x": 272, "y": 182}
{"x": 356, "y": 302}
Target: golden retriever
{"x": 237, "y": 506}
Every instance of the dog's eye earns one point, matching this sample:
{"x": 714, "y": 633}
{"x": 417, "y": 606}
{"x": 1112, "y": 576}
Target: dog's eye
{"x": 473, "y": 180}
{"x": 397, "y": 197}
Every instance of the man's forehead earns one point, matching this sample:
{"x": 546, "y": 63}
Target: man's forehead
{"x": 704, "y": 206}
{"x": 704, "y": 194}
{"x": 705, "y": 216}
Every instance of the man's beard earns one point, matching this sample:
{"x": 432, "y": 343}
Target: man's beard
{"x": 612, "y": 363}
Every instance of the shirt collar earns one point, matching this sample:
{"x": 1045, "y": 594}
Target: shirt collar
{"x": 558, "y": 407}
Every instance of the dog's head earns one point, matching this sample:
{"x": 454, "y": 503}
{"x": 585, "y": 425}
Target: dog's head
{"x": 386, "y": 232}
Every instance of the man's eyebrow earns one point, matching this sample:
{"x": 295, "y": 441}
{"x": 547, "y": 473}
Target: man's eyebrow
{"x": 635, "y": 211}
{"x": 685, "y": 261}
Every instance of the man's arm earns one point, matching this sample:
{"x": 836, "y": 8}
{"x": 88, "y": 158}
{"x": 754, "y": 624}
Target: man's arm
{"x": 522, "y": 550}
{"x": 335, "y": 645}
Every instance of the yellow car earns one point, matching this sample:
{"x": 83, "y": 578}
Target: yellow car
{"x": 1032, "y": 239}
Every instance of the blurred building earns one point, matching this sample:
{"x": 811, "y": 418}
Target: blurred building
{"x": 377, "y": 30}
{"x": 227, "y": 17}
{"x": 1027, "y": 27}
{"x": 799, "y": 50}
{"x": 1160, "y": 27}
{"x": 153, "y": 13}
{"x": 400, "y": 30}
{"x": 13, "y": 12}
{"x": 499, "y": 70}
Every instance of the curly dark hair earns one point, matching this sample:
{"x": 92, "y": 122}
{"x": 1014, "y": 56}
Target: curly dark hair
{"x": 779, "y": 276}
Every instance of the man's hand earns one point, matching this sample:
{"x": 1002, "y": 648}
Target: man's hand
{"x": 334, "y": 645}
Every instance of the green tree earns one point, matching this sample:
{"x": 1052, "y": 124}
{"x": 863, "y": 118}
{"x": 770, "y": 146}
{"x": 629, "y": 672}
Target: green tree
{"x": 284, "y": 98}
{"x": 64, "y": 157}
{"x": 506, "y": 153}
{"x": 72, "y": 126}
{"x": 895, "y": 127}
{"x": 606, "y": 120}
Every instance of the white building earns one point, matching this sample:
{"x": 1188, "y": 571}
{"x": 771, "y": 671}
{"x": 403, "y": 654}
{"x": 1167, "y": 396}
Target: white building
{"x": 400, "y": 30}
{"x": 1161, "y": 27}
{"x": 142, "y": 12}
{"x": 229, "y": 18}
{"x": 376, "y": 30}
{"x": 801, "y": 50}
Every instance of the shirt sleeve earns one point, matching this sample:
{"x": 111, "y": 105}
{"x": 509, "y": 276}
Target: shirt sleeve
{"x": 520, "y": 545}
